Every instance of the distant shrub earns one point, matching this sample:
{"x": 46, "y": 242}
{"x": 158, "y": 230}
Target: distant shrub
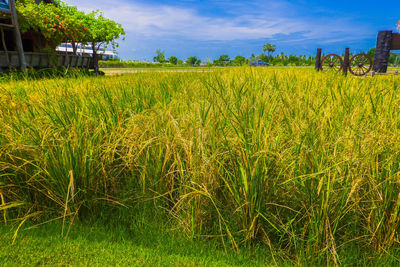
{"x": 133, "y": 64}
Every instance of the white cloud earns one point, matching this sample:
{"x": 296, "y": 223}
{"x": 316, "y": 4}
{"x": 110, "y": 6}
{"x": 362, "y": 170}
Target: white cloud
{"x": 162, "y": 21}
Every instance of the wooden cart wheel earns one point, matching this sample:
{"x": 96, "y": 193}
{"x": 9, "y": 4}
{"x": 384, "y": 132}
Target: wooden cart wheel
{"x": 332, "y": 63}
{"x": 360, "y": 64}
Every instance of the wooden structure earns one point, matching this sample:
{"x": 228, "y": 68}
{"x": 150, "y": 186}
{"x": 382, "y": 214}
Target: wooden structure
{"x": 22, "y": 51}
{"x": 318, "y": 59}
{"x": 45, "y": 60}
{"x": 346, "y": 61}
{"x": 361, "y": 64}
{"x": 358, "y": 65}
{"x": 387, "y": 41}
{"x": 13, "y": 26}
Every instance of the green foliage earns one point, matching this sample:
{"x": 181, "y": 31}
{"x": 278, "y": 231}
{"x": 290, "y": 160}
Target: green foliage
{"x": 56, "y": 23}
{"x": 100, "y": 30}
{"x": 193, "y": 61}
{"x": 269, "y": 48}
{"x": 160, "y": 56}
{"x": 223, "y": 60}
{"x": 138, "y": 64}
{"x": 264, "y": 58}
{"x": 239, "y": 61}
{"x": 62, "y": 23}
{"x": 173, "y": 60}
{"x": 129, "y": 64}
{"x": 394, "y": 59}
{"x": 371, "y": 52}
{"x": 287, "y": 60}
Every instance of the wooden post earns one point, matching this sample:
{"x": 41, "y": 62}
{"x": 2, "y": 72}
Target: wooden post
{"x": 382, "y": 54}
{"x": 5, "y": 48}
{"x": 18, "y": 40}
{"x": 318, "y": 59}
{"x": 346, "y": 62}
{"x": 95, "y": 58}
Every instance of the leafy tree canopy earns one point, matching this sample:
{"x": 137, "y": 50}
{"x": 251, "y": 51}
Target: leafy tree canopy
{"x": 269, "y": 48}
{"x": 193, "y": 61}
{"x": 160, "y": 56}
{"x": 62, "y": 23}
{"x": 223, "y": 60}
{"x": 239, "y": 61}
{"x": 173, "y": 60}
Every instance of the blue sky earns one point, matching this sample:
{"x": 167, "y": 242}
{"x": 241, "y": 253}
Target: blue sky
{"x": 207, "y": 29}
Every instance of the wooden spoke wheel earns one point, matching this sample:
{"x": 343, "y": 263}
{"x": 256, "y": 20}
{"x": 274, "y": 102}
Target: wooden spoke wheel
{"x": 332, "y": 63}
{"x": 360, "y": 64}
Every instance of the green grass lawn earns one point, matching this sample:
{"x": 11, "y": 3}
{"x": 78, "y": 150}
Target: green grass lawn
{"x": 99, "y": 246}
{"x": 115, "y": 246}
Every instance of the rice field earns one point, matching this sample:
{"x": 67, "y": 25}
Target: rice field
{"x": 303, "y": 163}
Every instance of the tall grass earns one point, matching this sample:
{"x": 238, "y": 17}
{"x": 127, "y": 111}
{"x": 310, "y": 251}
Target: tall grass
{"x": 305, "y": 163}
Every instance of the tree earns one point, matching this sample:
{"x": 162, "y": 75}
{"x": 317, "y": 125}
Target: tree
{"x": 222, "y": 61}
{"x": 56, "y": 24}
{"x": 269, "y": 48}
{"x": 239, "y": 61}
{"x": 264, "y": 58}
{"x": 192, "y": 61}
{"x": 160, "y": 56}
{"x": 61, "y": 23}
{"x": 101, "y": 32}
{"x": 266, "y": 47}
{"x": 173, "y": 60}
{"x": 224, "y": 58}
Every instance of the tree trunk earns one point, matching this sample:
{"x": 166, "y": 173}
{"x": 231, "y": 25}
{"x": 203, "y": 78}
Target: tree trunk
{"x": 95, "y": 58}
{"x": 74, "y": 47}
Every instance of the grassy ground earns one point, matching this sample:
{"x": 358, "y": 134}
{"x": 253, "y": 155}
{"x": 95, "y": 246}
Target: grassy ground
{"x": 100, "y": 246}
